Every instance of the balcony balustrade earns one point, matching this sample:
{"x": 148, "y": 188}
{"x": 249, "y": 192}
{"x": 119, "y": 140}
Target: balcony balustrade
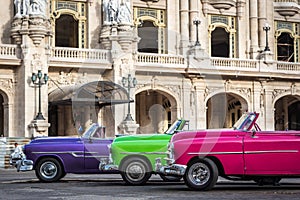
{"x": 97, "y": 58}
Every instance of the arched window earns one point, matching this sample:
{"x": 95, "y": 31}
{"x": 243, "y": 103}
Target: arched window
{"x": 70, "y": 23}
{"x": 219, "y": 43}
{"x": 151, "y": 27}
{"x": 66, "y": 31}
{"x": 285, "y": 48}
{"x": 149, "y": 37}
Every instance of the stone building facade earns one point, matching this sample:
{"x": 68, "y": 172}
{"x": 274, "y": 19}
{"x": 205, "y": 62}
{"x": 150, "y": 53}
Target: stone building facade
{"x": 207, "y": 61}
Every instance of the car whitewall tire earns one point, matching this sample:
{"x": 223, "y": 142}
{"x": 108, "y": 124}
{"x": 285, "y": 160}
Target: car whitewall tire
{"x": 201, "y": 174}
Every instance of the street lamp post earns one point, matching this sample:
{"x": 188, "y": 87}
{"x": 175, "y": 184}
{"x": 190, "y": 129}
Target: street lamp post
{"x": 41, "y": 81}
{"x": 197, "y": 22}
{"x": 129, "y": 82}
{"x": 267, "y": 29}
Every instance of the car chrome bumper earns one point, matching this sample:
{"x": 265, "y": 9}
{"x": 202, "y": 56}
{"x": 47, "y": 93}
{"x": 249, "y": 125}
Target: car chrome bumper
{"x": 105, "y": 165}
{"x": 173, "y": 169}
{"x": 22, "y": 164}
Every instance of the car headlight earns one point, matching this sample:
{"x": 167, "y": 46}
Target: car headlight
{"x": 170, "y": 153}
{"x": 110, "y": 160}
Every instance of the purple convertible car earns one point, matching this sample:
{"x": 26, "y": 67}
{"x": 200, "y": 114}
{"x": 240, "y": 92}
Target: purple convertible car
{"x": 53, "y": 157}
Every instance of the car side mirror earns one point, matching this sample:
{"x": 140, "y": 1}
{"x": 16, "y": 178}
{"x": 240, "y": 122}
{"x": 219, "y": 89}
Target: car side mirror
{"x": 253, "y": 133}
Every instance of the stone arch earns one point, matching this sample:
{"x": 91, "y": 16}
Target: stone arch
{"x": 286, "y": 111}
{"x": 156, "y": 109}
{"x": 225, "y": 108}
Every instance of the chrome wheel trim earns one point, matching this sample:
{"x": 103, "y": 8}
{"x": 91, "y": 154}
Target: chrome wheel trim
{"x": 199, "y": 174}
{"x": 135, "y": 171}
{"x": 48, "y": 170}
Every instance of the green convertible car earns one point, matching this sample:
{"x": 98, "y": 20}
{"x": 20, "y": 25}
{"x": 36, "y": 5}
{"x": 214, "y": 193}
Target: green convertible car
{"x": 134, "y": 155}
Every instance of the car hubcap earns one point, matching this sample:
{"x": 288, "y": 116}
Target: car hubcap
{"x": 48, "y": 170}
{"x": 135, "y": 171}
{"x": 199, "y": 174}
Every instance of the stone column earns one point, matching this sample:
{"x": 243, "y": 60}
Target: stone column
{"x": 31, "y": 32}
{"x": 194, "y": 9}
{"x": 269, "y": 110}
{"x": 253, "y": 29}
{"x": 121, "y": 39}
{"x": 184, "y": 26}
{"x": 286, "y": 114}
{"x": 262, "y": 19}
{"x": 200, "y": 106}
{"x": 258, "y": 103}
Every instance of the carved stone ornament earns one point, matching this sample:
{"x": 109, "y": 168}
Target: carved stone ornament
{"x": 222, "y": 4}
{"x": 286, "y": 9}
{"x": 7, "y": 85}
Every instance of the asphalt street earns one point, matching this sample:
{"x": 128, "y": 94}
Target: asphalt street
{"x": 24, "y": 185}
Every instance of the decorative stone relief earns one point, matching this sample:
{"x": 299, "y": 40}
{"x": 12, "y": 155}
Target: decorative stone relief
{"x": 7, "y": 85}
{"x": 65, "y": 78}
{"x": 36, "y": 63}
{"x": 244, "y": 91}
{"x": 277, "y": 92}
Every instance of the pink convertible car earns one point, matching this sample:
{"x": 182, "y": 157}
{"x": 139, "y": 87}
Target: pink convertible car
{"x": 241, "y": 153}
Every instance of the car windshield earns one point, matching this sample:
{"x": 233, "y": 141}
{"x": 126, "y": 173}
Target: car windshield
{"x": 173, "y": 127}
{"x": 90, "y": 131}
{"x": 245, "y": 121}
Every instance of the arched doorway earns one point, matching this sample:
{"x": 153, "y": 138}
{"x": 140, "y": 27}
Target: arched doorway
{"x": 220, "y": 43}
{"x": 66, "y": 31}
{"x": 154, "y": 111}
{"x": 1, "y": 116}
{"x": 224, "y": 109}
{"x": 287, "y": 113}
{"x": 78, "y": 106}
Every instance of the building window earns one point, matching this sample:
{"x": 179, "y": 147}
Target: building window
{"x": 150, "y": 25}
{"x": 66, "y": 32}
{"x": 285, "y": 48}
{"x": 222, "y": 33}
{"x": 69, "y": 19}
{"x": 220, "y": 43}
{"x": 287, "y": 41}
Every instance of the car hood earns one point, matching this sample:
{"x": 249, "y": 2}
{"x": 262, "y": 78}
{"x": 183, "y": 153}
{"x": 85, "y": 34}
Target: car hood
{"x": 143, "y": 137}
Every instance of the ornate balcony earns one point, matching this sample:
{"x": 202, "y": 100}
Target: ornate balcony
{"x": 100, "y": 59}
{"x": 287, "y": 8}
{"x": 222, "y": 4}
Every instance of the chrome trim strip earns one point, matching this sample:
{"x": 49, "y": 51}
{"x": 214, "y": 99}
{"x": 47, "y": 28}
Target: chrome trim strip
{"x": 76, "y": 154}
{"x": 247, "y": 152}
{"x": 57, "y": 152}
{"x": 218, "y": 153}
{"x": 272, "y": 151}
{"x": 147, "y": 153}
